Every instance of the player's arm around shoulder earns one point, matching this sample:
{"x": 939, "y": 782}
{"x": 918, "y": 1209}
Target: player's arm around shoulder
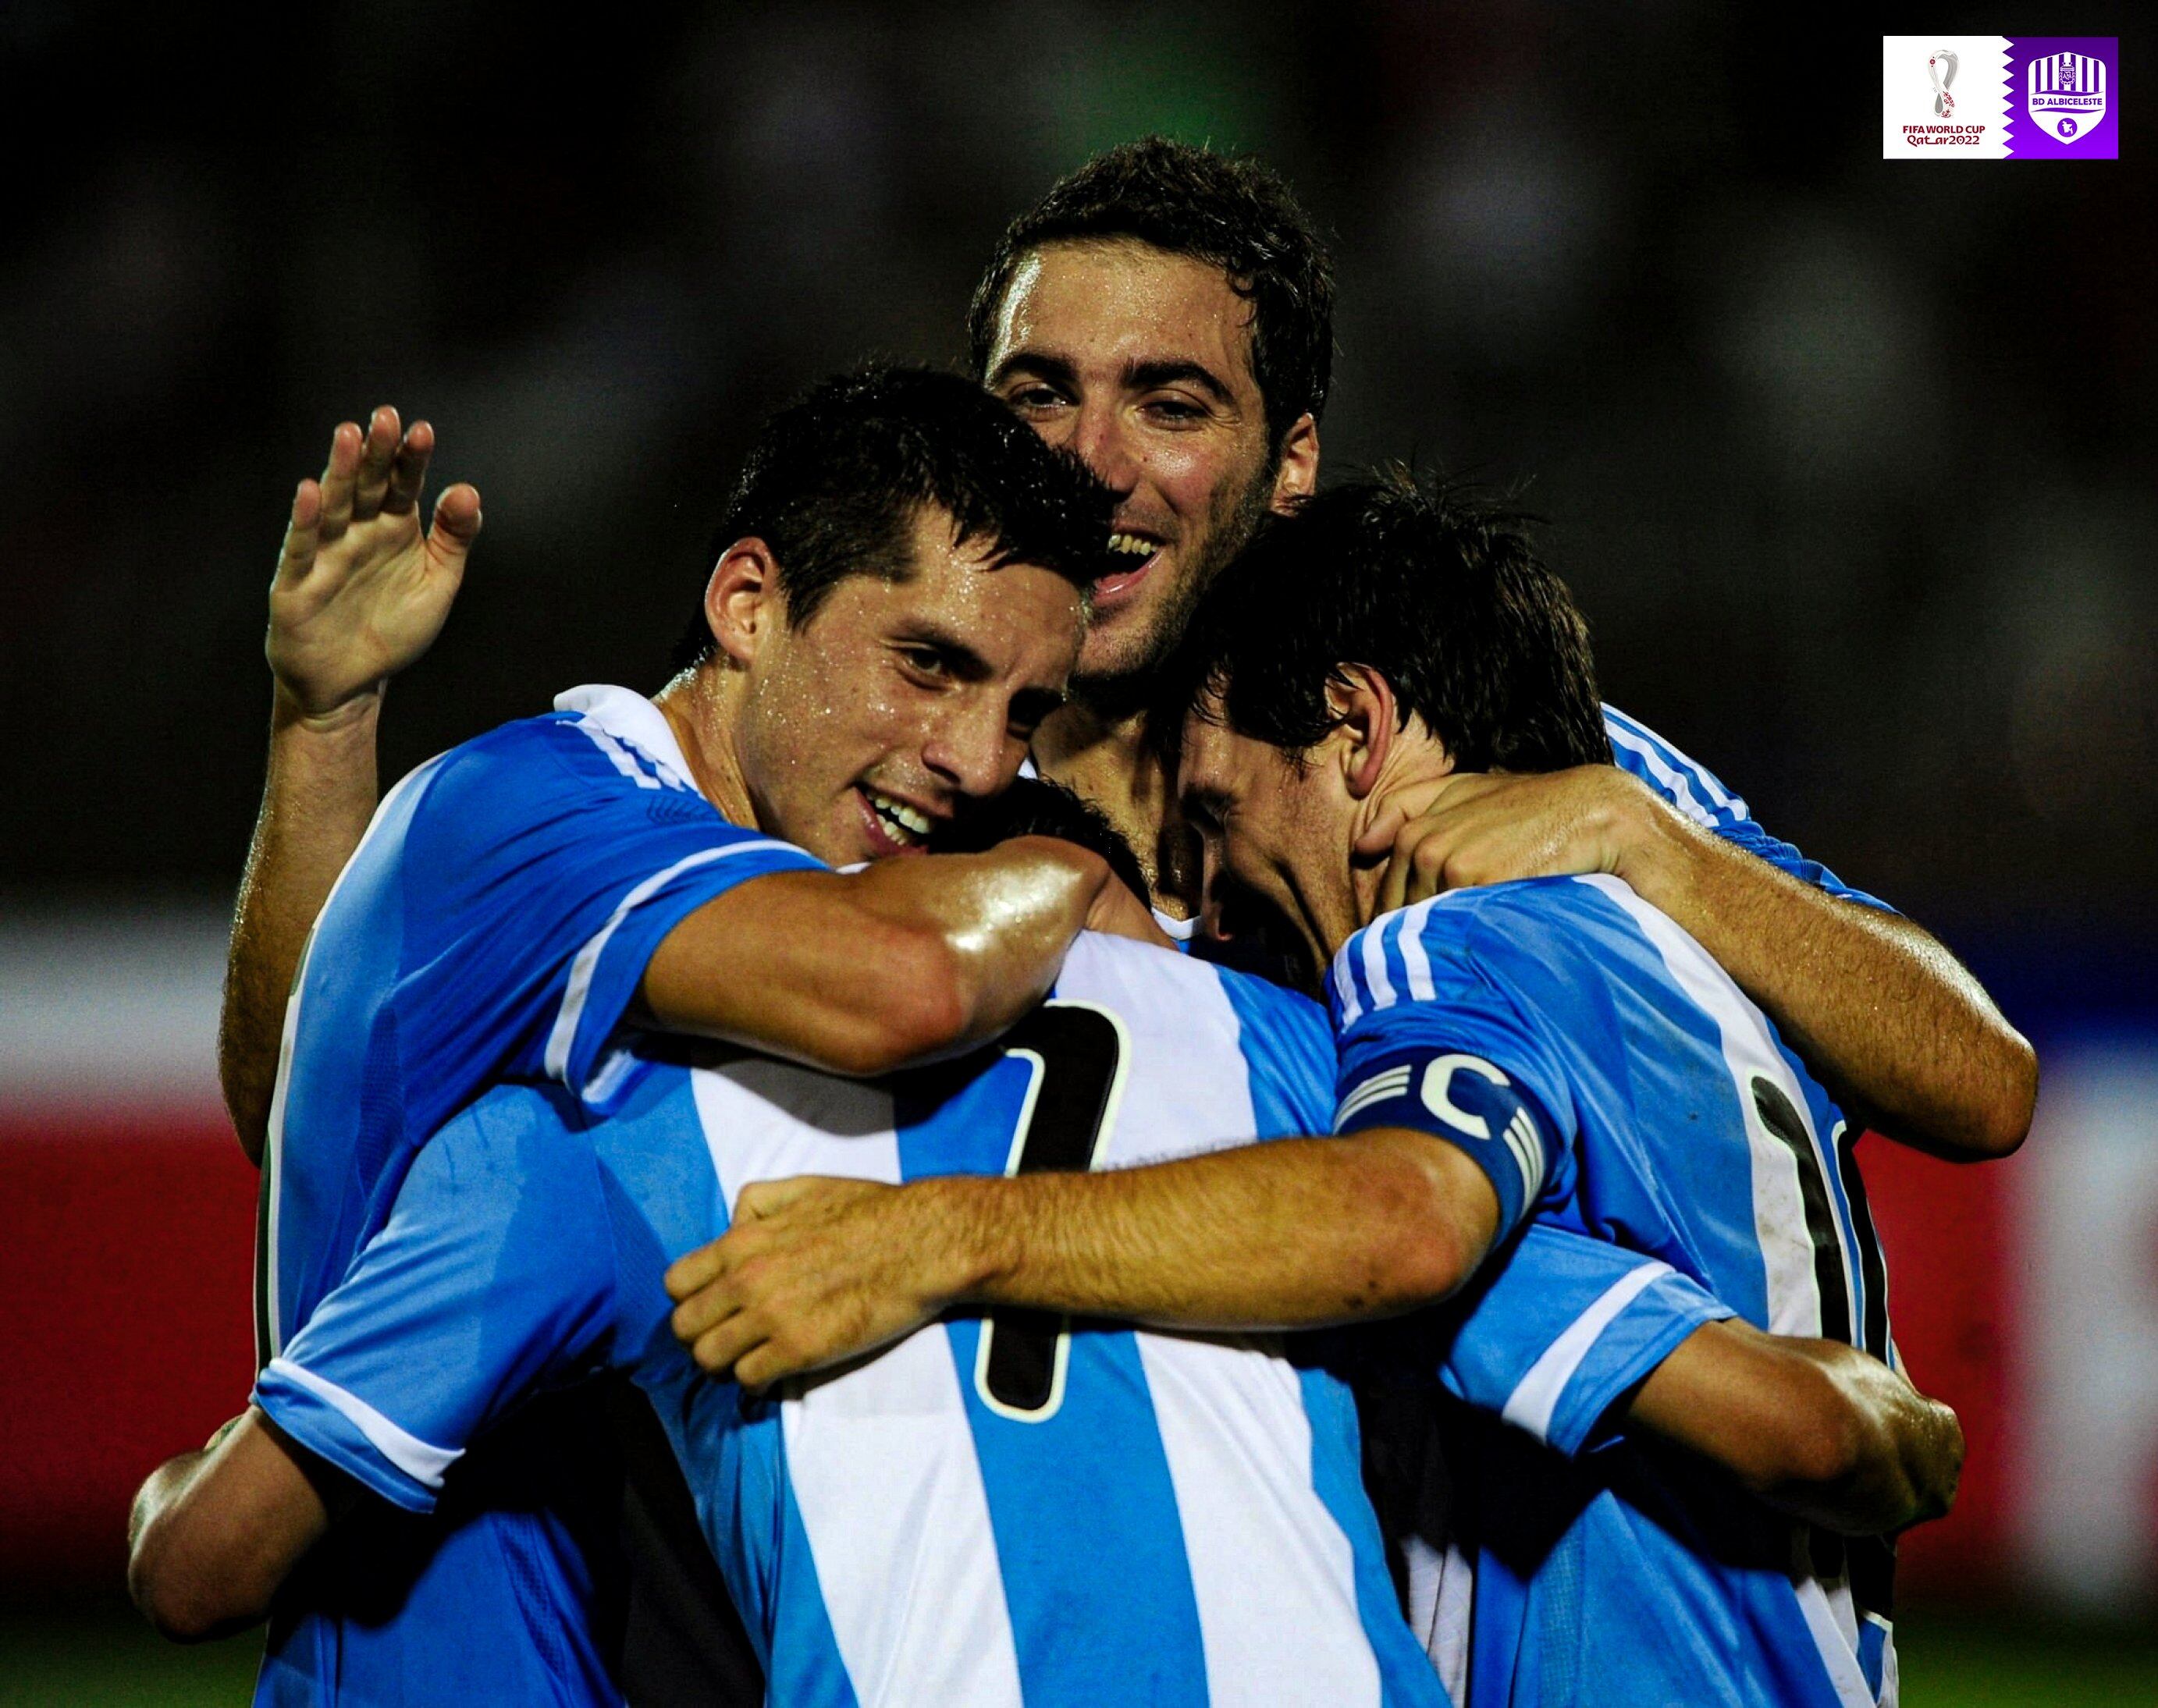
{"x": 1819, "y": 1429}
{"x": 862, "y": 973}
{"x": 1873, "y": 1001}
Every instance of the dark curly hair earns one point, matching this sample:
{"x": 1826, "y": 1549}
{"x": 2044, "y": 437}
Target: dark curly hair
{"x": 1438, "y": 589}
{"x": 834, "y": 482}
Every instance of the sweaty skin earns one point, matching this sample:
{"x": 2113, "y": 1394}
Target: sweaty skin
{"x": 1102, "y": 347}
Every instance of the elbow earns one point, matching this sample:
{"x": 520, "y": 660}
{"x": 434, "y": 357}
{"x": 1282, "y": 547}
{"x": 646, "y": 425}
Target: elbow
{"x": 919, "y": 1004}
{"x": 1420, "y": 1249}
{"x": 2004, "y": 1123}
{"x": 185, "y": 1600}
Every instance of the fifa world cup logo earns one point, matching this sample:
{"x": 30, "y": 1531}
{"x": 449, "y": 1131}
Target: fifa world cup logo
{"x": 1942, "y": 69}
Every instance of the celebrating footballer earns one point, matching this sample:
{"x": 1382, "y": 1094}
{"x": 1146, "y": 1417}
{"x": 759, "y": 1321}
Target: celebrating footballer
{"x": 1126, "y": 1090}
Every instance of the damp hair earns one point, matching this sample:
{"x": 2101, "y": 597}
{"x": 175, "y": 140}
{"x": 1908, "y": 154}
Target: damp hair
{"x": 1438, "y": 588}
{"x": 1230, "y": 211}
{"x": 834, "y": 482}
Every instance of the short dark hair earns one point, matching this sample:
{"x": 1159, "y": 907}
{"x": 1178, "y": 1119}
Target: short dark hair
{"x": 1232, "y": 211}
{"x": 834, "y": 481}
{"x": 1036, "y": 806}
{"x": 1438, "y": 589}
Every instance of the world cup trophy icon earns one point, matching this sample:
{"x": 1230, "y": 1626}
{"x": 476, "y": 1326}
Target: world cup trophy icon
{"x": 1942, "y": 69}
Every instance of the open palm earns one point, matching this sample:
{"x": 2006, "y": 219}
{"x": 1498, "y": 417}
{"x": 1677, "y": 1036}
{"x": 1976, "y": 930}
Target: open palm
{"x": 361, "y": 591}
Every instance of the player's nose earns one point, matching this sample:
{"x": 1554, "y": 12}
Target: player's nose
{"x": 971, "y": 749}
{"x": 1100, "y": 442}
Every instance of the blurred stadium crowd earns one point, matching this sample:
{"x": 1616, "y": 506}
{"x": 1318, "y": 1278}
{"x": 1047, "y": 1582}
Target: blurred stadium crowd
{"x": 1851, "y": 466}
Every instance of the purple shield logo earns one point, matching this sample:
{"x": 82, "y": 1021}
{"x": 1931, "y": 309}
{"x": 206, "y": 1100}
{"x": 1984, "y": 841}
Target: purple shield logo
{"x": 2065, "y": 94}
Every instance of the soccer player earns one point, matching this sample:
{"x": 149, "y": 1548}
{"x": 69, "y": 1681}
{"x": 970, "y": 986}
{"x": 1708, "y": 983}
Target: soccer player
{"x": 898, "y": 600}
{"x": 1000, "y": 1509}
{"x": 1166, "y": 313}
{"x": 1554, "y": 1049}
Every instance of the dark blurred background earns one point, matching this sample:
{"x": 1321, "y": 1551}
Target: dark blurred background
{"x": 1850, "y": 460}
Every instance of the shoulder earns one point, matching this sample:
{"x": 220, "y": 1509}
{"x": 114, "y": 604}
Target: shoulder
{"x": 517, "y": 1138}
{"x": 1688, "y": 785}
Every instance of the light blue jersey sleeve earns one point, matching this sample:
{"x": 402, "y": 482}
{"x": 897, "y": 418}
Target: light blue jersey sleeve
{"x": 538, "y": 868}
{"x": 1426, "y": 1038}
{"x": 1554, "y": 1335}
{"x": 1694, "y": 790}
{"x": 493, "y": 1278}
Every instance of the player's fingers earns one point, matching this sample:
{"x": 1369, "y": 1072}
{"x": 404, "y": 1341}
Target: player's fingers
{"x": 720, "y": 1350}
{"x": 378, "y": 452}
{"x": 297, "y": 555}
{"x": 408, "y": 472}
{"x": 456, "y": 526}
{"x": 762, "y": 1366}
{"x": 1394, "y": 883}
{"x": 339, "y": 475}
{"x": 704, "y": 1311}
{"x": 1380, "y": 836}
{"x": 693, "y": 1270}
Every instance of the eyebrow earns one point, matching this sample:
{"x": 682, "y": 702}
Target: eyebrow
{"x": 1141, "y": 375}
{"x": 1145, "y": 376}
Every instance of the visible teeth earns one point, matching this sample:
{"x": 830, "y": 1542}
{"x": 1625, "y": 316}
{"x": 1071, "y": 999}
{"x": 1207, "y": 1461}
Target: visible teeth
{"x": 1131, "y": 545}
{"x": 899, "y": 813}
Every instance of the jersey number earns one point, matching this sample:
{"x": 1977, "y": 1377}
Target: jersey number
{"x": 1076, "y": 1051}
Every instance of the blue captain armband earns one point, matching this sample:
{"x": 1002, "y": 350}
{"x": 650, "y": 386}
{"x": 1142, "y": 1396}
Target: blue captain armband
{"x": 1468, "y": 1101}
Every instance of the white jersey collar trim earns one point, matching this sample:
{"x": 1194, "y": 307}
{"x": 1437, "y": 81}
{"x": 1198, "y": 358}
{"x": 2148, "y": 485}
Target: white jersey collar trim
{"x": 629, "y": 717}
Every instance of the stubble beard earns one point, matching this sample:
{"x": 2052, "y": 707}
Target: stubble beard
{"x": 1232, "y": 519}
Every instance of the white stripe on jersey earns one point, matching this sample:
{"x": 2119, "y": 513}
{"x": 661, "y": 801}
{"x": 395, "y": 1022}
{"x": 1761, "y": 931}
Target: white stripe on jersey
{"x": 587, "y": 960}
{"x": 1375, "y": 962}
{"x": 1616, "y": 722}
{"x": 1779, "y": 1212}
{"x": 1675, "y": 780}
{"x": 1838, "y": 1646}
{"x": 1265, "y": 1555}
{"x": 1536, "y": 1395}
{"x": 1344, "y": 988}
{"x": 857, "y": 1436}
{"x": 618, "y": 755}
{"x": 422, "y": 1460}
{"x": 1271, "y": 1572}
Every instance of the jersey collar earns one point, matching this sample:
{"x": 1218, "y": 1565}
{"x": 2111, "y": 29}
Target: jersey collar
{"x": 632, "y": 719}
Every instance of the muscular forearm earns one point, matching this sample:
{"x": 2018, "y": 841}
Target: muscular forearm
{"x": 1294, "y": 1234}
{"x": 1816, "y": 1428}
{"x": 316, "y": 804}
{"x": 1874, "y": 1003}
{"x": 913, "y": 959}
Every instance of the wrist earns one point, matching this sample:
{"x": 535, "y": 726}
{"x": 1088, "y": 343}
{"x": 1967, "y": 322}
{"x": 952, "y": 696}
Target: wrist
{"x": 352, "y": 717}
{"x": 971, "y": 1250}
{"x": 1650, "y": 847}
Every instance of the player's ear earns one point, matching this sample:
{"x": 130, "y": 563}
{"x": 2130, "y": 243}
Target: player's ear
{"x": 1362, "y": 703}
{"x": 742, "y": 601}
{"x": 1297, "y": 475}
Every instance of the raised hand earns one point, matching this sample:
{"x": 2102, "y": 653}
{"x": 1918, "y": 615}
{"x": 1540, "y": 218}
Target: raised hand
{"x": 360, "y": 591}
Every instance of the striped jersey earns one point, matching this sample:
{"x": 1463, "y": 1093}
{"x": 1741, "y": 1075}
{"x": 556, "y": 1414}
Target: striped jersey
{"x": 493, "y": 925}
{"x": 1609, "y": 1078}
{"x": 1004, "y": 1508}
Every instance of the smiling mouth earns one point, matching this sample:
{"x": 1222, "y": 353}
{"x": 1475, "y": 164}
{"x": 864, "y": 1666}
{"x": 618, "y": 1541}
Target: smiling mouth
{"x": 1141, "y": 551}
{"x": 902, "y": 826}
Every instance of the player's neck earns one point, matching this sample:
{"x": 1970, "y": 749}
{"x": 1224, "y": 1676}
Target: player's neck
{"x": 695, "y": 705}
{"x": 1105, "y": 760}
